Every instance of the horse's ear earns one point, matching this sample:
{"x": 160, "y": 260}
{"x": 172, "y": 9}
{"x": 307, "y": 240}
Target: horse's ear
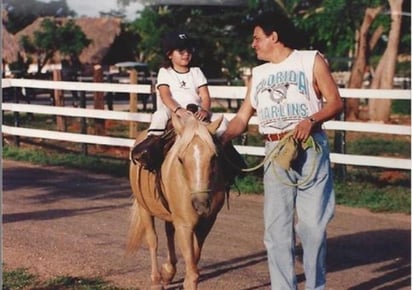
{"x": 212, "y": 127}
{"x": 177, "y": 123}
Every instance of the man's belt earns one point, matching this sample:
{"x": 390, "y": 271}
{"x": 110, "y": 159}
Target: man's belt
{"x": 278, "y": 136}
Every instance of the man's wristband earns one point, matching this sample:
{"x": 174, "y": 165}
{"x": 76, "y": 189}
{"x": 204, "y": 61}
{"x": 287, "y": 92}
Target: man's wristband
{"x": 312, "y": 120}
{"x": 177, "y": 109}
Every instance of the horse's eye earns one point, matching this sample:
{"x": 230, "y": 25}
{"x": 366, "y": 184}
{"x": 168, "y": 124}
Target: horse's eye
{"x": 180, "y": 160}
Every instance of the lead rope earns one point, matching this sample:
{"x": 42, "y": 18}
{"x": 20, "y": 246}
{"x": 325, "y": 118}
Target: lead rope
{"x": 293, "y": 184}
{"x": 274, "y": 153}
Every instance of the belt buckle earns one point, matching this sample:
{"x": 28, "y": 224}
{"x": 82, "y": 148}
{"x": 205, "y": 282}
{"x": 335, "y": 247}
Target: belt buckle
{"x": 276, "y": 137}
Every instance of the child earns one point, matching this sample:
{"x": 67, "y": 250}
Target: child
{"x": 179, "y": 84}
{"x": 182, "y": 89}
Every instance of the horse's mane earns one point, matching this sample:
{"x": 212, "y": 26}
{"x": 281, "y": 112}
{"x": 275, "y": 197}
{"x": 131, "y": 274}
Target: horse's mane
{"x": 191, "y": 128}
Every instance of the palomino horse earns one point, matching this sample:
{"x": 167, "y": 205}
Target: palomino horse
{"x": 191, "y": 194}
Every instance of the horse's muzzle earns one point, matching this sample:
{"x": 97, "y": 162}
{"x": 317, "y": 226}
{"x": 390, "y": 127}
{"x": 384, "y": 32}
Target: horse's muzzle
{"x": 201, "y": 202}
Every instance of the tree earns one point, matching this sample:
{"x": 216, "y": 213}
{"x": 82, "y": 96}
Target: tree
{"x": 222, "y": 34}
{"x": 355, "y": 29}
{"x": 68, "y": 39}
{"x": 379, "y": 110}
{"x": 364, "y": 46}
{"x": 23, "y": 13}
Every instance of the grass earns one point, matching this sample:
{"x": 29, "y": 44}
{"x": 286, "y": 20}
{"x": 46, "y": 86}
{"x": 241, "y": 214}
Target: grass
{"x": 18, "y": 279}
{"x": 379, "y": 191}
{"x": 96, "y": 164}
{"x": 21, "y": 279}
{"x": 376, "y": 146}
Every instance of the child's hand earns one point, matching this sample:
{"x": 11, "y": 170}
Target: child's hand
{"x": 182, "y": 112}
{"x": 202, "y": 115}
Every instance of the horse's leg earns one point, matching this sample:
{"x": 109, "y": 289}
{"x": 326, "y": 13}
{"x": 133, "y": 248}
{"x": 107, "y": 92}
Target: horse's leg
{"x": 185, "y": 238}
{"x": 168, "y": 269}
{"x": 202, "y": 230}
{"x": 151, "y": 239}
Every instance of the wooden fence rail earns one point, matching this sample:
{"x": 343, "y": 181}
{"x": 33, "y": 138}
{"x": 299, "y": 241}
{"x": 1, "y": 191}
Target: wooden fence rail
{"x": 217, "y": 92}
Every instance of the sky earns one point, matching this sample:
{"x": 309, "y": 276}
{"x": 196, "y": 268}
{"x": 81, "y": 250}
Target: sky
{"x": 92, "y": 8}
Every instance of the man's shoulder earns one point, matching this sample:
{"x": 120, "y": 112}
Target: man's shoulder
{"x": 261, "y": 68}
{"x": 308, "y": 52}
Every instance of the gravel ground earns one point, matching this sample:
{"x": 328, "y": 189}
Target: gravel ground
{"x": 59, "y": 221}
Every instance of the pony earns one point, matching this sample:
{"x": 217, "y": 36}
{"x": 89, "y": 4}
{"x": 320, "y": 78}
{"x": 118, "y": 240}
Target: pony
{"x": 188, "y": 199}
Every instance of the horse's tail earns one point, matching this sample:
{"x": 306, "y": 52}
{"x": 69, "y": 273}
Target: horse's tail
{"x": 136, "y": 229}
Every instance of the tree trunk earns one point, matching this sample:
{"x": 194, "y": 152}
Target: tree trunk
{"x": 359, "y": 66}
{"x": 380, "y": 109}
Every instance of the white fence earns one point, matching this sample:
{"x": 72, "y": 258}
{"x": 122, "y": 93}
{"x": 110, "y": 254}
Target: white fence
{"x": 217, "y": 92}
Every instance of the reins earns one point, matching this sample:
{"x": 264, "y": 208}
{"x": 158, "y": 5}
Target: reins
{"x": 200, "y": 191}
{"x": 271, "y": 156}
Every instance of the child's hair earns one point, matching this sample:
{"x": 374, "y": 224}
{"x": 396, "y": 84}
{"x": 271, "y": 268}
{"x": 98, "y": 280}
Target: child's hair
{"x": 175, "y": 40}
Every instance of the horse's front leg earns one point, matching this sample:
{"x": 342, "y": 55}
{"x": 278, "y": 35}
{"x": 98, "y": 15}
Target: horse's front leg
{"x": 202, "y": 230}
{"x": 185, "y": 238}
{"x": 152, "y": 241}
{"x": 168, "y": 269}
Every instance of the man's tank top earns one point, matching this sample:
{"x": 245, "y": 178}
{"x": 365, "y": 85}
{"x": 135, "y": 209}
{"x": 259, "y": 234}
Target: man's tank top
{"x": 283, "y": 93}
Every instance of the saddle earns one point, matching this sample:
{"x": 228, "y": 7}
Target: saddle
{"x": 151, "y": 152}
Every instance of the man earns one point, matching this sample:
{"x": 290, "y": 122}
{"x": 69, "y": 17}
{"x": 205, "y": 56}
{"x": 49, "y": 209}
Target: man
{"x": 287, "y": 93}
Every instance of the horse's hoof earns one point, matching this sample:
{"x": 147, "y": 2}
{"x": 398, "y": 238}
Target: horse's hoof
{"x": 157, "y": 287}
{"x": 189, "y": 286}
{"x": 167, "y": 272}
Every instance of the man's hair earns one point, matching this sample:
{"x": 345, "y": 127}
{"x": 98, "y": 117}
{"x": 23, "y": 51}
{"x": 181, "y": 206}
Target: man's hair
{"x": 277, "y": 22}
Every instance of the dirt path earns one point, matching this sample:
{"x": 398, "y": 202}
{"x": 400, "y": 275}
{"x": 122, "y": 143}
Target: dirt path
{"x": 60, "y": 221}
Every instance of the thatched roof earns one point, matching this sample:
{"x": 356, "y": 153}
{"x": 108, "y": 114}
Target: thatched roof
{"x": 101, "y": 31}
{"x": 10, "y": 46}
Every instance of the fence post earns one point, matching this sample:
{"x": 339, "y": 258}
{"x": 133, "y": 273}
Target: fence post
{"x": 17, "y": 92}
{"x": 83, "y": 121}
{"x": 109, "y": 96}
{"x": 99, "y": 124}
{"x": 339, "y": 145}
{"x": 133, "y": 104}
{"x": 59, "y": 101}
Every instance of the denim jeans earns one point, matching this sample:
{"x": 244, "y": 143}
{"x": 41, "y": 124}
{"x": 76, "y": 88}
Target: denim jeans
{"x": 305, "y": 191}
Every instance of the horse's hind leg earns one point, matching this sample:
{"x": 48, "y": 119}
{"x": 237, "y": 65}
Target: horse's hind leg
{"x": 168, "y": 269}
{"x": 151, "y": 239}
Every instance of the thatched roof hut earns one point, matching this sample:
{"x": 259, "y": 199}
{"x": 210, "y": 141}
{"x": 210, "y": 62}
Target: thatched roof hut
{"x": 10, "y": 46}
{"x": 101, "y": 31}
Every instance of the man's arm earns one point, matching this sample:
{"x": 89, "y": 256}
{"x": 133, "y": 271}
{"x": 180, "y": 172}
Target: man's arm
{"x": 239, "y": 123}
{"x": 325, "y": 87}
